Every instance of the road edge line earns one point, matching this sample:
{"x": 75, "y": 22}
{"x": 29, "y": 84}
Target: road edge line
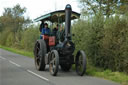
{"x": 38, "y": 75}
{"x": 14, "y": 63}
{"x": 2, "y": 58}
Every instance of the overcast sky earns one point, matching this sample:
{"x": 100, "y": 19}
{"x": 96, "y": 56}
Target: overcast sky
{"x": 36, "y": 8}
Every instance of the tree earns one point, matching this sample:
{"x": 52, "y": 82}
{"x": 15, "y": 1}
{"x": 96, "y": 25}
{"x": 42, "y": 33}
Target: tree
{"x": 106, "y": 7}
{"x": 13, "y": 20}
{"x": 123, "y": 8}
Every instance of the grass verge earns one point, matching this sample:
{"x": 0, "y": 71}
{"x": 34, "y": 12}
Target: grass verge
{"x": 118, "y": 77}
{"x": 18, "y": 51}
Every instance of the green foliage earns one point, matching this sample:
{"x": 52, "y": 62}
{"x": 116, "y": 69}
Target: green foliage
{"x": 114, "y": 44}
{"x": 15, "y": 30}
{"x": 3, "y": 37}
{"x": 10, "y": 39}
{"x": 123, "y": 7}
{"x": 88, "y": 35}
{"x": 29, "y": 37}
{"x": 12, "y": 23}
{"x": 104, "y": 40}
{"x": 106, "y": 7}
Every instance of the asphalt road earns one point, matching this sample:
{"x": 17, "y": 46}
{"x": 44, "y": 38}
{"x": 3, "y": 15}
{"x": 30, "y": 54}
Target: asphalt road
{"x": 16, "y": 69}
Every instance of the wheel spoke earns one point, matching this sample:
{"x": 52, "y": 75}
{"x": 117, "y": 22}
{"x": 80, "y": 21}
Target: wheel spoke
{"x": 38, "y": 48}
{"x": 39, "y": 54}
{"x": 53, "y": 60}
{"x": 37, "y": 58}
{"x": 81, "y": 62}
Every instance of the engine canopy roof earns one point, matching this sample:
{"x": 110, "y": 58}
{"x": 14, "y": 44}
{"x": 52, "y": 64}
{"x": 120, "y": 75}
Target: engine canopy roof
{"x": 57, "y": 16}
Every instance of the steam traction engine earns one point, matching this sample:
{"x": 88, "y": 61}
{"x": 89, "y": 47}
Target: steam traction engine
{"x": 51, "y": 51}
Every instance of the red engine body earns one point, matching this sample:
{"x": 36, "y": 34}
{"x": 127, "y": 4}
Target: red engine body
{"x": 51, "y": 39}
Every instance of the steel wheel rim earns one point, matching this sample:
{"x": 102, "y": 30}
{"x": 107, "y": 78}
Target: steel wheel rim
{"x": 37, "y": 54}
{"x": 80, "y": 64}
{"x": 52, "y": 63}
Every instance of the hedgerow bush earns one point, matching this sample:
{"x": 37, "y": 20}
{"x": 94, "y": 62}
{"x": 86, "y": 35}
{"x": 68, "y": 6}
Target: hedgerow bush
{"x": 104, "y": 41}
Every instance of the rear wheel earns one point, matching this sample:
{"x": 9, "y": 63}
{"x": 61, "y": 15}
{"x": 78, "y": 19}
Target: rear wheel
{"x": 66, "y": 67}
{"x": 80, "y": 63}
{"x": 54, "y": 62}
{"x": 39, "y": 52}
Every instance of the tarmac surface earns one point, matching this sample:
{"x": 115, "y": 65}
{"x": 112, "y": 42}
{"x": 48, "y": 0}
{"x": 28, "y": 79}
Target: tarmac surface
{"x": 16, "y": 69}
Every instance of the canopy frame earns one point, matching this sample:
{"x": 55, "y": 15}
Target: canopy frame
{"x": 56, "y": 15}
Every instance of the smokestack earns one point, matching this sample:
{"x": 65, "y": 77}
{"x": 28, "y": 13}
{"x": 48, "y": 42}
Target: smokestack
{"x": 68, "y": 11}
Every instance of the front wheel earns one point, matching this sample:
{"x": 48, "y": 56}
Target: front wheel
{"x": 54, "y": 62}
{"x": 39, "y": 52}
{"x": 80, "y": 63}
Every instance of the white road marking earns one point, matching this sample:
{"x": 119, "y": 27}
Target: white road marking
{"x": 14, "y": 63}
{"x": 2, "y": 58}
{"x": 38, "y": 75}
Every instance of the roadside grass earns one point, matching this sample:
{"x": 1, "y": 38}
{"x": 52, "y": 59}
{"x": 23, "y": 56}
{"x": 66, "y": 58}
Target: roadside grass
{"x": 18, "y": 51}
{"x": 118, "y": 77}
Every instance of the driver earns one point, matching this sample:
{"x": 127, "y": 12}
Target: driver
{"x": 45, "y": 30}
